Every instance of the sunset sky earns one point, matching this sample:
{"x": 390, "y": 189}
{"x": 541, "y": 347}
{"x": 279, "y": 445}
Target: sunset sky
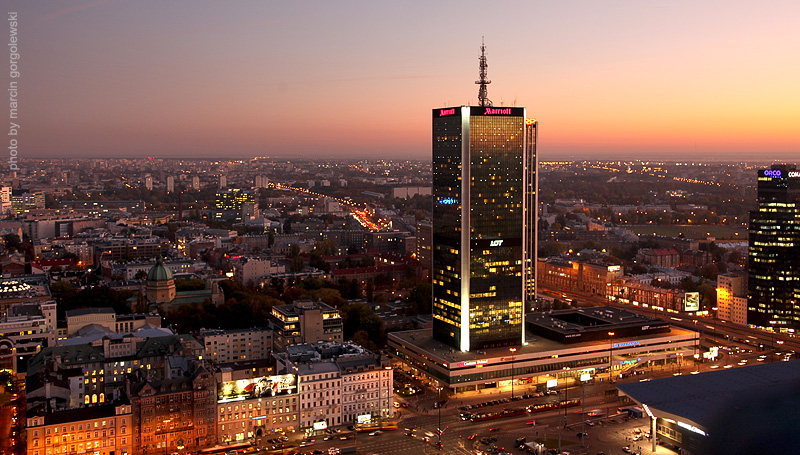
{"x": 715, "y": 80}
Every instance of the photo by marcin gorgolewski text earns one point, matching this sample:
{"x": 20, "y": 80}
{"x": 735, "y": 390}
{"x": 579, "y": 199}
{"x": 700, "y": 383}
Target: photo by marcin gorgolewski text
{"x": 13, "y": 92}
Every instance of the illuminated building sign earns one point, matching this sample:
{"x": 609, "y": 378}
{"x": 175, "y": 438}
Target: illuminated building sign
{"x": 493, "y": 111}
{"x": 443, "y": 112}
{"x": 530, "y": 121}
{"x": 793, "y": 174}
{"x": 774, "y": 173}
{"x": 691, "y": 301}
{"x": 626, "y": 344}
{"x": 496, "y": 243}
{"x": 448, "y": 201}
{"x": 472, "y": 363}
{"x": 264, "y": 386}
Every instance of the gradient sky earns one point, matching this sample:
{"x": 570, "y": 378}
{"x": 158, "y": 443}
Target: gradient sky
{"x": 666, "y": 80}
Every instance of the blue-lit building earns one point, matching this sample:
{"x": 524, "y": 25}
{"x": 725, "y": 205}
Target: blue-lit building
{"x": 774, "y": 251}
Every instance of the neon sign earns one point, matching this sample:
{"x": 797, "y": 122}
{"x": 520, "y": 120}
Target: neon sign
{"x": 626, "y": 344}
{"x": 490, "y": 111}
{"x": 443, "y": 112}
{"x": 774, "y": 173}
{"x": 448, "y": 201}
{"x": 472, "y": 363}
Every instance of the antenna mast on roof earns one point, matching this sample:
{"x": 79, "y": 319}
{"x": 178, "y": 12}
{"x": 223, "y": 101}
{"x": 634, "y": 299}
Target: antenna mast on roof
{"x": 483, "y": 97}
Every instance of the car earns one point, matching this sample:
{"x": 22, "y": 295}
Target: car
{"x": 327, "y": 438}
{"x": 306, "y": 444}
{"x": 494, "y": 429}
{"x": 396, "y": 404}
{"x": 531, "y": 422}
{"x": 333, "y": 451}
{"x": 376, "y": 433}
{"x": 638, "y": 437}
{"x": 471, "y": 437}
{"x": 582, "y": 435}
{"x": 590, "y": 423}
{"x": 403, "y": 405}
{"x": 626, "y": 449}
{"x": 408, "y": 433}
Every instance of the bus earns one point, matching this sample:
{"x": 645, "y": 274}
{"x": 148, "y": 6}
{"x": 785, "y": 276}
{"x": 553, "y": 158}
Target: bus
{"x": 498, "y": 415}
{"x": 376, "y": 425}
{"x": 544, "y": 407}
{"x": 244, "y": 447}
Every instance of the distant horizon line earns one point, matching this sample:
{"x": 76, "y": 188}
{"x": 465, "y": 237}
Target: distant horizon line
{"x": 576, "y": 157}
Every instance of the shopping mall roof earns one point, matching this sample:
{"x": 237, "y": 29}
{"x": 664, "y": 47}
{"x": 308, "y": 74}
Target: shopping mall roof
{"x": 758, "y": 399}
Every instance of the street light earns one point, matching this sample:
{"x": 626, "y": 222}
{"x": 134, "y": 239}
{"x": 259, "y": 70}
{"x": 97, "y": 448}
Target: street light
{"x": 439, "y": 407}
{"x": 610, "y": 356}
{"x": 513, "y": 350}
{"x": 584, "y": 377}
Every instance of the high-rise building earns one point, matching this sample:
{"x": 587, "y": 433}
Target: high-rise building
{"x": 229, "y": 203}
{"x": 170, "y": 184}
{"x": 774, "y": 251}
{"x": 484, "y": 222}
{"x": 195, "y": 182}
{"x": 481, "y": 170}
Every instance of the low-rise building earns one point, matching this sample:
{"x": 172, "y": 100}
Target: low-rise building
{"x": 224, "y": 346}
{"x": 732, "y": 298}
{"x": 100, "y": 430}
{"x": 305, "y": 321}
{"x": 174, "y": 414}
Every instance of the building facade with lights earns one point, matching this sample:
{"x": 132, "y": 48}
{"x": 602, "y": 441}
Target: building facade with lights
{"x": 339, "y": 383}
{"x": 174, "y": 414}
{"x": 484, "y": 189}
{"x": 561, "y": 346}
{"x": 774, "y": 251}
{"x": 24, "y": 331}
{"x": 101, "y": 430}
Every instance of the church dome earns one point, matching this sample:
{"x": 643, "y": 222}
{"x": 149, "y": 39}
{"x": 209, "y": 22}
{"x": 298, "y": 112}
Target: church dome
{"x": 159, "y": 272}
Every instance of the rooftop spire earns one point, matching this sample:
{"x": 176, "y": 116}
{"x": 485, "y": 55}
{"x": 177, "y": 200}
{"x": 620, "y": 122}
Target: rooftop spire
{"x": 483, "y": 97}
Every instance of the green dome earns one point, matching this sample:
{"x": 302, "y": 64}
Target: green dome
{"x": 159, "y": 272}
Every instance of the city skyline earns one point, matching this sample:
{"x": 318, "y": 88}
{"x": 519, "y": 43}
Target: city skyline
{"x": 613, "y": 80}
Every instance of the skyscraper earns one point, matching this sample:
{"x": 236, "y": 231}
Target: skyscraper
{"x": 774, "y": 251}
{"x": 484, "y": 219}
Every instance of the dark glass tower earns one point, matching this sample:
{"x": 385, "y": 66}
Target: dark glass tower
{"x": 774, "y": 251}
{"x": 482, "y": 186}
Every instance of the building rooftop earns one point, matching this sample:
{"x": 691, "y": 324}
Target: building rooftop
{"x": 536, "y": 345}
{"x": 85, "y": 311}
{"x": 736, "y": 408}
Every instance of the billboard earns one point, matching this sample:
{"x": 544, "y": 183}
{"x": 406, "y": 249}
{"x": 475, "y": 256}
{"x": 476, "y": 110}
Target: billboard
{"x": 264, "y": 386}
{"x": 691, "y": 301}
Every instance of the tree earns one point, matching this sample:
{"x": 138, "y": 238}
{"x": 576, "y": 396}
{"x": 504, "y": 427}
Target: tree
{"x": 140, "y": 275}
{"x": 357, "y": 317}
{"x": 12, "y": 241}
{"x": 419, "y": 299}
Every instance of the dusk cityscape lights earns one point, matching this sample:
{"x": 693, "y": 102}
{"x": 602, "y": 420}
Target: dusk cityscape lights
{"x": 329, "y": 228}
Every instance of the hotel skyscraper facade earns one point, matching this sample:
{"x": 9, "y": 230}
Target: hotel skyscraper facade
{"x": 484, "y": 225}
{"x": 774, "y": 251}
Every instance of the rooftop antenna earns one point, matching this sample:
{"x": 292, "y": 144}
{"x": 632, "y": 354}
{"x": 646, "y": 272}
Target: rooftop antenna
{"x": 483, "y": 98}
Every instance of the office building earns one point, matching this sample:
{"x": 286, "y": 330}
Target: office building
{"x": 305, "y": 321}
{"x": 732, "y": 298}
{"x": 484, "y": 182}
{"x": 25, "y": 330}
{"x": 223, "y": 346}
{"x": 774, "y": 251}
{"x": 478, "y": 226}
{"x": 229, "y": 203}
